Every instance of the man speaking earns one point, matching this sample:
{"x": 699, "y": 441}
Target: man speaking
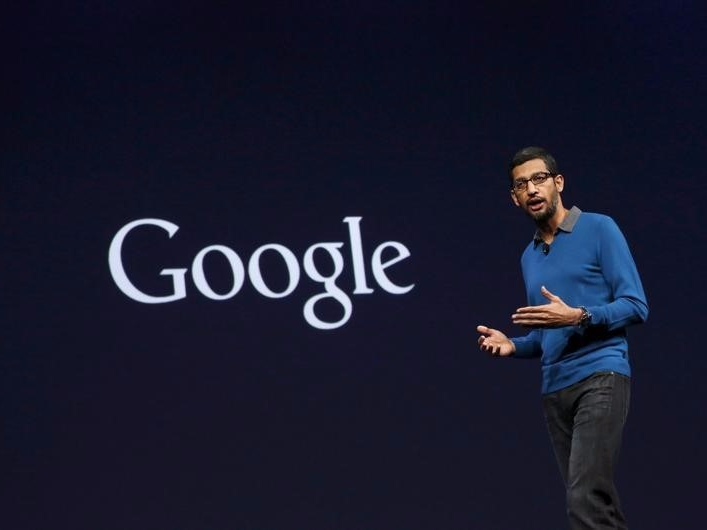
{"x": 583, "y": 290}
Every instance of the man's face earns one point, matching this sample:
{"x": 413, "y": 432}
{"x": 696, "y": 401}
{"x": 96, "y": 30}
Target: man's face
{"x": 539, "y": 201}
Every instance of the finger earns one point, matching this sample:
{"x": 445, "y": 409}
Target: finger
{"x": 530, "y": 321}
{"x": 535, "y": 308}
{"x": 488, "y": 347}
{"x": 529, "y": 316}
{"x": 538, "y": 314}
{"x": 532, "y": 309}
{"x": 483, "y": 329}
{"x": 547, "y": 294}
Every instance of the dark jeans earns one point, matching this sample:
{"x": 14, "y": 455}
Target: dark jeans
{"x": 585, "y": 422}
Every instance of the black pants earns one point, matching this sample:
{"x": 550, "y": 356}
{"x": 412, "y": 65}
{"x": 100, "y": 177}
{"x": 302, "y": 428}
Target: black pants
{"x": 585, "y": 422}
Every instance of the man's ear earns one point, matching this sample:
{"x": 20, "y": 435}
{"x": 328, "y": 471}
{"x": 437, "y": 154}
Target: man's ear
{"x": 514, "y": 198}
{"x": 560, "y": 182}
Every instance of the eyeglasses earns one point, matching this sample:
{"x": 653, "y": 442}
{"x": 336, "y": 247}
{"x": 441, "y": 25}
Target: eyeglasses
{"x": 535, "y": 178}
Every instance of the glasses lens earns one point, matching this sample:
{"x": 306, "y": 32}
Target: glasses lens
{"x": 536, "y": 179}
{"x": 539, "y": 178}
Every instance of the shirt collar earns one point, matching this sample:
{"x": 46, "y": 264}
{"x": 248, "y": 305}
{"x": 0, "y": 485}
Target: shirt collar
{"x": 566, "y": 225}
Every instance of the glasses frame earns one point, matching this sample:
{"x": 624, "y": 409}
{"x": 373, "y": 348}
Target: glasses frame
{"x": 521, "y": 185}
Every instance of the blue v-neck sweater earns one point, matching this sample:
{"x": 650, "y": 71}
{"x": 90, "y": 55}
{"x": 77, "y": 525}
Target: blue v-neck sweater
{"x": 588, "y": 264}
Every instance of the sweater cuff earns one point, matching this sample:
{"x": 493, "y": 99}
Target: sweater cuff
{"x": 525, "y": 348}
{"x": 597, "y": 315}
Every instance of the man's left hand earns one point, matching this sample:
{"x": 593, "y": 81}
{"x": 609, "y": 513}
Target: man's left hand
{"x": 556, "y": 314}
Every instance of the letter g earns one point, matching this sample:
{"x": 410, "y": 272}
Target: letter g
{"x": 115, "y": 262}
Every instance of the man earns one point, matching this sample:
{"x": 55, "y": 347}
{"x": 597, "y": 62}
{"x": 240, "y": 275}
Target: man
{"x": 583, "y": 291}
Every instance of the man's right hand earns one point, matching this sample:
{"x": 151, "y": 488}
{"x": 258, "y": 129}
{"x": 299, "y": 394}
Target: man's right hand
{"x": 495, "y": 342}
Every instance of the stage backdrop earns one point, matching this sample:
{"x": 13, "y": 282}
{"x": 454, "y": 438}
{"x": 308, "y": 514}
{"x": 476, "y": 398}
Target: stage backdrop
{"x": 245, "y": 249}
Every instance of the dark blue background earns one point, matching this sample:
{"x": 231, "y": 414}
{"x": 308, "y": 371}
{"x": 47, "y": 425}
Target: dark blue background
{"x": 250, "y": 124}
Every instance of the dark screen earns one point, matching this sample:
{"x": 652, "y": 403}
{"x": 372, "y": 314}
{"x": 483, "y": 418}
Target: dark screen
{"x": 257, "y": 131}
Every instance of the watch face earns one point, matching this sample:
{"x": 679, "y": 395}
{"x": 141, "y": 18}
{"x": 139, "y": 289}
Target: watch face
{"x": 585, "y": 318}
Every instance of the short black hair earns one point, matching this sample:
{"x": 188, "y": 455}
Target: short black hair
{"x": 532, "y": 153}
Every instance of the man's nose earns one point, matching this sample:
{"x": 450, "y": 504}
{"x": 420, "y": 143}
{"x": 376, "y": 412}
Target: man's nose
{"x": 532, "y": 189}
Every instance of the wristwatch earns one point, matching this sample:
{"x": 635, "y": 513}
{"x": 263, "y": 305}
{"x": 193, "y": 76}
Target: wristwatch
{"x": 586, "y": 317}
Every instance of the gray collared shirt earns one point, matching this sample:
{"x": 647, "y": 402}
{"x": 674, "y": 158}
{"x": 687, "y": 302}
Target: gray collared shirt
{"x": 566, "y": 225}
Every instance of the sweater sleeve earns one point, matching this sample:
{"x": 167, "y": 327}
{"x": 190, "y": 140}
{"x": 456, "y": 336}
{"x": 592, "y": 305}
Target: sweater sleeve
{"x": 628, "y": 305}
{"x": 528, "y": 347}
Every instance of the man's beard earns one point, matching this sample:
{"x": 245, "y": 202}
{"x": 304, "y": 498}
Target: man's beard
{"x": 543, "y": 217}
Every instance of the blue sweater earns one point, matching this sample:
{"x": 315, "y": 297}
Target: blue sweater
{"x": 588, "y": 264}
